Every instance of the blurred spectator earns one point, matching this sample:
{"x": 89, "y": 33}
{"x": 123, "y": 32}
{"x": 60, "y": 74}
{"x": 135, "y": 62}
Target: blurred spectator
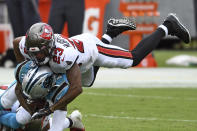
{"x": 70, "y": 11}
{"x": 22, "y": 14}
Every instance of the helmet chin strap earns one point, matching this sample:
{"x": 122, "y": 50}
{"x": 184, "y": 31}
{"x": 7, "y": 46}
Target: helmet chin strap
{"x": 46, "y": 60}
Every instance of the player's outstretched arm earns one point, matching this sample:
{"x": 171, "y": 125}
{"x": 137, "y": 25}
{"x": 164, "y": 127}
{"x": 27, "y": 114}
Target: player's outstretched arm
{"x": 18, "y": 55}
{"x": 74, "y": 79}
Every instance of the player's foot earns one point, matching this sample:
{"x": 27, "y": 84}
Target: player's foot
{"x": 177, "y": 28}
{"x": 117, "y": 26}
{"x": 76, "y": 117}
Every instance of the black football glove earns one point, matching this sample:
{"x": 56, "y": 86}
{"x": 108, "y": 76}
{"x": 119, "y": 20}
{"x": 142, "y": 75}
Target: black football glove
{"x": 41, "y": 113}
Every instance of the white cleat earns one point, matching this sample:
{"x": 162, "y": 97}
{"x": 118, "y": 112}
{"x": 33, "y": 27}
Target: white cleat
{"x": 76, "y": 117}
{"x": 116, "y": 26}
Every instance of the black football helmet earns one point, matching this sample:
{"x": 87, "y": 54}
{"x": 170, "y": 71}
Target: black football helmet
{"x": 40, "y": 42}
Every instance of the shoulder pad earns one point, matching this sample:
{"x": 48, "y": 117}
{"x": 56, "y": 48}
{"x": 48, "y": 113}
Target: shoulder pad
{"x": 22, "y": 68}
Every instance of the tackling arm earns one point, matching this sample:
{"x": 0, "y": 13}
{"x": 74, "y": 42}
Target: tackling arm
{"x": 21, "y": 99}
{"x": 18, "y": 89}
{"x": 74, "y": 79}
{"x": 75, "y": 88}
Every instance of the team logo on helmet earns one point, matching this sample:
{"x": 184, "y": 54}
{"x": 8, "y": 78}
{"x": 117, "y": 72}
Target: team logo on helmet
{"x": 47, "y": 33}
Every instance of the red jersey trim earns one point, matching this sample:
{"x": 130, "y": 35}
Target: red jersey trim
{"x": 114, "y": 52}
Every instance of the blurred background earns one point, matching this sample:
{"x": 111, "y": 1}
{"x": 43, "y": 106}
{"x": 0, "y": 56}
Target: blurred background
{"x": 72, "y": 17}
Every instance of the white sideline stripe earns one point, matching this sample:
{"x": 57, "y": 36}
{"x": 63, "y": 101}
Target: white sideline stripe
{"x": 146, "y": 78}
{"x": 138, "y": 118}
{"x": 138, "y": 96}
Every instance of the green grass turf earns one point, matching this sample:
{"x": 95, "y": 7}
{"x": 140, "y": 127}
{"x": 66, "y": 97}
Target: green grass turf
{"x": 162, "y": 55}
{"x": 138, "y": 109}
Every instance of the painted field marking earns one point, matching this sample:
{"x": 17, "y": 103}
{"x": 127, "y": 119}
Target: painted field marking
{"x": 138, "y": 118}
{"x": 138, "y": 96}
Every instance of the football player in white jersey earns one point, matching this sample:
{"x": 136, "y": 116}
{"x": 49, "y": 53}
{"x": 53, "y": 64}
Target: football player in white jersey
{"x": 79, "y": 57}
{"x": 39, "y": 84}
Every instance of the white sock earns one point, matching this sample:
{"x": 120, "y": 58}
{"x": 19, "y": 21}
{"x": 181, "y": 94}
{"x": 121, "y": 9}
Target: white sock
{"x": 164, "y": 28}
{"x": 59, "y": 121}
{"x": 107, "y": 37}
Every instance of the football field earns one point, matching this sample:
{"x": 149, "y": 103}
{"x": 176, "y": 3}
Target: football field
{"x": 159, "y": 99}
{"x": 138, "y": 109}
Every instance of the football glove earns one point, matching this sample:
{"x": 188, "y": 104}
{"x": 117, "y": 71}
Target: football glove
{"x": 41, "y": 113}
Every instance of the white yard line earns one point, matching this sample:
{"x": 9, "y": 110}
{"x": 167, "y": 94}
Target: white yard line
{"x": 138, "y": 96}
{"x": 138, "y": 118}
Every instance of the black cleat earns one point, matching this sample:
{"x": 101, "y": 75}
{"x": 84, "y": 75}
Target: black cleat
{"x": 116, "y": 26}
{"x": 178, "y": 29}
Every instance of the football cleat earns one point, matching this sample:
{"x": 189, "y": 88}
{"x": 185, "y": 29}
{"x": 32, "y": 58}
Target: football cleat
{"x": 116, "y": 26}
{"x": 178, "y": 29}
{"x": 76, "y": 117}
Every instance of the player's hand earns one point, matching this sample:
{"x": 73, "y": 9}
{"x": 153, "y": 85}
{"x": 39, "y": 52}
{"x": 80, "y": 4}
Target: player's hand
{"x": 41, "y": 113}
{"x": 35, "y": 105}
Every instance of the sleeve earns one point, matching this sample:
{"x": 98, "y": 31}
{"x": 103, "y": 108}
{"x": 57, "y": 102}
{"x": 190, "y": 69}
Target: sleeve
{"x": 20, "y": 70}
{"x": 66, "y": 60}
{"x": 22, "y": 48}
{"x": 17, "y": 71}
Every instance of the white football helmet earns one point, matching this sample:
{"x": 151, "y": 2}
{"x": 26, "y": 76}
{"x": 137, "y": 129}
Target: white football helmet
{"x": 37, "y": 82}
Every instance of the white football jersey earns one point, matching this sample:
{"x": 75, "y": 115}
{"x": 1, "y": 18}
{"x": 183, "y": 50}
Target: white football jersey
{"x": 80, "y": 49}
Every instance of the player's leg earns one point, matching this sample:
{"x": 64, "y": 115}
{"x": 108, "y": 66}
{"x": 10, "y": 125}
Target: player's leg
{"x": 9, "y": 120}
{"x": 75, "y": 16}
{"x": 56, "y": 17}
{"x": 171, "y": 26}
{"x": 61, "y": 122}
{"x": 117, "y": 26}
{"x": 76, "y": 118}
{"x": 113, "y": 56}
{"x": 8, "y": 98}
{"x": 88, "y": 77}
{"x": 15, "y": 119}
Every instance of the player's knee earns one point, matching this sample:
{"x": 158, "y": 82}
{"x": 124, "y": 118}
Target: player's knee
{"x": 135, "y": 63}
{"x": 87, "y": 82}
{"x": 136, "y": 59}
{"x": 5, "y": 102}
